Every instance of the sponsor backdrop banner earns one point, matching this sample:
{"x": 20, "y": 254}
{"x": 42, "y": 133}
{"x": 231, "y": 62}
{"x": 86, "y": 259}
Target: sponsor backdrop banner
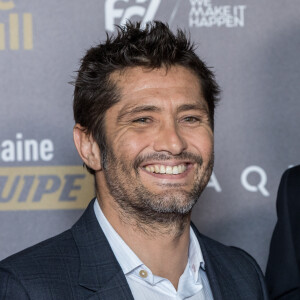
{"x": 254, "y": 49}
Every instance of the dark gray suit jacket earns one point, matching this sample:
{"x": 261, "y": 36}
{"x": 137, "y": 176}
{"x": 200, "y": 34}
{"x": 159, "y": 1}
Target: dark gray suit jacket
{"x": 283, "y": 268}
{"x": 79, "y": 264}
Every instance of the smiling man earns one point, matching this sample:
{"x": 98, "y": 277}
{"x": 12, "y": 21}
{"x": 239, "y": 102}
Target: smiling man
{"x": 143, "y": 107}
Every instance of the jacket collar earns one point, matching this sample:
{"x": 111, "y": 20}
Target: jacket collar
{"x": 212, "y": 276}
{"x": 220, "y": 265}
{"x": 99, "y": 271}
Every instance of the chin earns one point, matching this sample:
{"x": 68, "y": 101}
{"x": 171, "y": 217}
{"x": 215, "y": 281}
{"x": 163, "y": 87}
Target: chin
{"x": 177, "y": 202}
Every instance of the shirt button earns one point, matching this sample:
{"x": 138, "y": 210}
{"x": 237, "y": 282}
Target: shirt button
{"x": 143, "y": 273}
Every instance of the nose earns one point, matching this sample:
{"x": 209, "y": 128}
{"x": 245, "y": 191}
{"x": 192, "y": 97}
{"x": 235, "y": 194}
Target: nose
{"x": 170, "y": 139}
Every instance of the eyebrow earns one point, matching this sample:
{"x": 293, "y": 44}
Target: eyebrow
{"x": 186, "y": 107}
{"x": 135, "y": 110}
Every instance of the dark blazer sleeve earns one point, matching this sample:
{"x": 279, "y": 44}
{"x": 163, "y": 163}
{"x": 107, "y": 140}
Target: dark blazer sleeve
{"x": 10, "y": 287}
{"x": 282, "y": 273}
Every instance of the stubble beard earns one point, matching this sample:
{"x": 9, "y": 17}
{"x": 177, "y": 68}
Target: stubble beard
{"x": 153, "y": 212}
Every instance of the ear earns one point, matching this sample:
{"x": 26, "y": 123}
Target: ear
{"x": 87, "y": 148}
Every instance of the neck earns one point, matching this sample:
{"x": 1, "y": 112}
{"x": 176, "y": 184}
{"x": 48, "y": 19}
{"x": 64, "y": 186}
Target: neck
{"x": 155, "y": 244}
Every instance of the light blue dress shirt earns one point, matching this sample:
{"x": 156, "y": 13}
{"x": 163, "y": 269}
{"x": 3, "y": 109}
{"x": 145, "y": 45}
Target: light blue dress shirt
{"x": 193, "y": 283}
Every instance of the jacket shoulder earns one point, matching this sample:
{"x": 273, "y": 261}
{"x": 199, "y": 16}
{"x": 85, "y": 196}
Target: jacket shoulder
{"x": 42, "y": 251}
{"x": 233, "y": 270}
{"x": 290, "y": 177}
{"x": 236, "y": 259}
{"x": 28, "y": 271}
{"x": 231, "y": 255}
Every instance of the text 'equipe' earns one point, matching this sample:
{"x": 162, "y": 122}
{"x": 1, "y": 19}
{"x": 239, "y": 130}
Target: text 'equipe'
{"x": 37, "y": 188}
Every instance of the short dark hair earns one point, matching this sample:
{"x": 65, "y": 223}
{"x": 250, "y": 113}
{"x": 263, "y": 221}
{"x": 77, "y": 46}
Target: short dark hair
{"x": 152, "y": 46}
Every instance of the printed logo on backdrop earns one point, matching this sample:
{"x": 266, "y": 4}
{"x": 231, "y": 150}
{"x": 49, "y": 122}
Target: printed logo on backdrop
{"x": 35, "y": 186}
{"x": 117, "y": 12}
{"x": 15, "y": 28}
{"x": 204, "y": 13}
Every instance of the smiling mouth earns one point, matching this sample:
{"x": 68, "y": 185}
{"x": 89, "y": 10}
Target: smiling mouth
{"x": 163, "y": 169}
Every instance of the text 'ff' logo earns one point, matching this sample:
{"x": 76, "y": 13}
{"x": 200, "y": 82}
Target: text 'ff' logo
{"x": 116, "y": 14}
{"x": 10, "y": 29}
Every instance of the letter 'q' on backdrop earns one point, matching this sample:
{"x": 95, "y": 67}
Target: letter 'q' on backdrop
{"x": 254, "y": 49}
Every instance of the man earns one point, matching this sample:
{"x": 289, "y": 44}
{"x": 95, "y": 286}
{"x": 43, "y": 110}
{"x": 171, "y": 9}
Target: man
{"x": 283, "y": 268}
{"x": 143, "y": 107}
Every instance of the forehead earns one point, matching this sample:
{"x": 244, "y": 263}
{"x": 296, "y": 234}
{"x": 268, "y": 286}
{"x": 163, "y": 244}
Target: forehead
{"x": 138, "y": 85}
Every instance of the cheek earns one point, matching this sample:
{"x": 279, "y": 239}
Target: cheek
{"x": 203, "y": 143}
{"x": 129, "y": 146}
{"x": 209, "y": 145}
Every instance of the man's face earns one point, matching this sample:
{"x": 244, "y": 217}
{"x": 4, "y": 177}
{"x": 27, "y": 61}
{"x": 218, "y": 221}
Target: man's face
{"x": 159, "y": 143}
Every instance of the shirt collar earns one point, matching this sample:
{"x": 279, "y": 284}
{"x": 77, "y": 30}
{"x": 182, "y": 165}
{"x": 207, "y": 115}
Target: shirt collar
{"x": 124, "y": 255}
{"x": 129, "y": 261}
{"x": 195, "y": 257}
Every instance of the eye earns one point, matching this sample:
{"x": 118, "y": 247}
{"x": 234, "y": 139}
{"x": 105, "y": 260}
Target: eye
{"x": 143, "y": 120}
{"x": 191, "y": 119}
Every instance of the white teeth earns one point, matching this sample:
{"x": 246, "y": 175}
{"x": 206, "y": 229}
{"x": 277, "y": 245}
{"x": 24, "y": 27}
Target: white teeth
{"x": 180, "y": 169}
{"x": 161, "y": 169}
{"x": 169, "y": 170}
{"x": 175, "y": 170}
{"x": 156, "y": 169}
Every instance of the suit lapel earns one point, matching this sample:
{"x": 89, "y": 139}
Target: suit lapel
{"x": 210, "y": 271}
{"x": 217, "y": 272}
{"x": 99, "y": 272}
{"x": 232, "y": 274}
